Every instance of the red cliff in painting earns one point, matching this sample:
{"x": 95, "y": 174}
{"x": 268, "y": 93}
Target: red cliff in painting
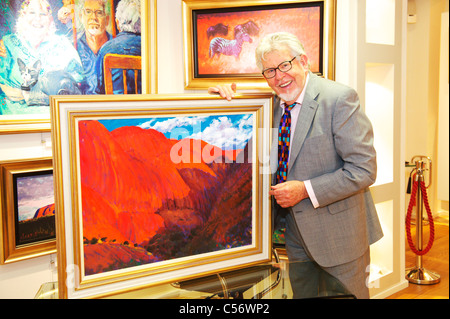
{"x": 135, "y": 195}
{"x": 48, "y": 210}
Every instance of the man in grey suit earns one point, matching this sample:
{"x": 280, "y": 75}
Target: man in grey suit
{"x": 325, "y": 203}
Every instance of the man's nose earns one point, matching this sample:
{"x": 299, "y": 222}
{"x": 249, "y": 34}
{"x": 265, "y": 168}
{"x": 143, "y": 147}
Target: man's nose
{"x": 279, "y": 74}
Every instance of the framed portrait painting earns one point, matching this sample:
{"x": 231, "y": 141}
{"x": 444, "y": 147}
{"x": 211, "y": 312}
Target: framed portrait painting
{"x": 159, "y": 188}
{"x": 27, "y": 209}
{"x": 71, "y": 47}
{"x": 220, "y": 38}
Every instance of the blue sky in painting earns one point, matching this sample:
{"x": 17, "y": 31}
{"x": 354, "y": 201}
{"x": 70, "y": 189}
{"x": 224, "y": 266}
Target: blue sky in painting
{"x": 225, "y": 131}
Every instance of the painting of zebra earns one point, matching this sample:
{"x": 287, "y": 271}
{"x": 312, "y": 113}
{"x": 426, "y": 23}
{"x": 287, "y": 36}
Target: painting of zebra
{"x": 226, "y": 39}
{"x": 233, "y": 47}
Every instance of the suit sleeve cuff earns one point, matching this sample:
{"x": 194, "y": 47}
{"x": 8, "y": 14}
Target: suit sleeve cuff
{"x": 311, "y": 194}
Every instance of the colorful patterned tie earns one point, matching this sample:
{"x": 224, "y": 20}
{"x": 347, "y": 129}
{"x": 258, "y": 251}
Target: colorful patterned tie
{"x": 284, "y": 133}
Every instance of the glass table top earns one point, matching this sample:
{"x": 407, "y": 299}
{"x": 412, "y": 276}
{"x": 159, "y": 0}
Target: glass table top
{"x": 275, "y": 280}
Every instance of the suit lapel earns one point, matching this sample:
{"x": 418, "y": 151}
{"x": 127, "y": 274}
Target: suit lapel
{"x": 305, "y": 119}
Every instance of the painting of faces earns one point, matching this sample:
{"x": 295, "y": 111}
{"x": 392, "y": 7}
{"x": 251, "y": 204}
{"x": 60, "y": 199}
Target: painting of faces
{"x": 59, "y": 47}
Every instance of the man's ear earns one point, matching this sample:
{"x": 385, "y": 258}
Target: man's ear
{"x": 304, "y": 60}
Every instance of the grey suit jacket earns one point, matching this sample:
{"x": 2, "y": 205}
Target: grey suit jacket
{"x": 333, "y": 147}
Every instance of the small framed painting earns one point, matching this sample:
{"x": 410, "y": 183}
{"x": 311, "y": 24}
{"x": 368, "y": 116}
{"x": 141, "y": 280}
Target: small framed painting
{"x": 27, "y": 209}
{"x": 158, "y": 188}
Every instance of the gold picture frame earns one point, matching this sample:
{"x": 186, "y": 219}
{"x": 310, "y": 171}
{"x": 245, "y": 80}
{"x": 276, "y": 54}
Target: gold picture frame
{"x": 40, "y": 122}
{"x": 209, "y": 26}
{"x": 26, "y": 187}
{"x": 181, "y": 235}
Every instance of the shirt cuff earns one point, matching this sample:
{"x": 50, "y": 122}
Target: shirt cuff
{"x": 311, "y": 194}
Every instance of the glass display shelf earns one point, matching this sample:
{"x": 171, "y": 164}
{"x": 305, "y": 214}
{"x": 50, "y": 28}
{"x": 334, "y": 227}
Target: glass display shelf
{"x": 275, "y": 280}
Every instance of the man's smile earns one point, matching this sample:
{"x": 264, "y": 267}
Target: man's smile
{"x": 284, "y": 85}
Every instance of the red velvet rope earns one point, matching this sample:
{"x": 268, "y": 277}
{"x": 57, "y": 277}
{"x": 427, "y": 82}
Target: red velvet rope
{"x": 408, "y": 219}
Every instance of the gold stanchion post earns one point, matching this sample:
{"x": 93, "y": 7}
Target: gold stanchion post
{"x": 418, "y": 274}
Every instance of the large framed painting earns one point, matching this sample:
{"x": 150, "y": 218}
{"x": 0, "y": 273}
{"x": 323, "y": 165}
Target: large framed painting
{"x": 27, "y": 223}
{"x": 71, "y": 47}
{"x": 220, "y": 38}
{"x": 159, "y": 188}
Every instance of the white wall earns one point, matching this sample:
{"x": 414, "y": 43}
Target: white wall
{"x": 443, "y": 122}
{"x": 22, "y": 280}
{"x": 170, "y": 47}
{"x": 422, "y": 95}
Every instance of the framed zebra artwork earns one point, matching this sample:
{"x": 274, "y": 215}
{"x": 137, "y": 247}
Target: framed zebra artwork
{"x": 220, "y": 38}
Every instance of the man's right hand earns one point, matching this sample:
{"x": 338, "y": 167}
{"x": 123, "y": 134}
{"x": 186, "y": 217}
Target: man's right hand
{"x": 226, "y": 91}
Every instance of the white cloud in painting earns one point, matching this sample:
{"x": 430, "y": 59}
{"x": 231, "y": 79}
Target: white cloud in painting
{"x": 226, "y": 132}
{"x": 222, "y": 132}
{"x": 170, "y": 124}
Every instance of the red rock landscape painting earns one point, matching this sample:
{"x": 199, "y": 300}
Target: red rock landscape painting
{"x": 139, "y": 206}
{"x": 35, "y": 216}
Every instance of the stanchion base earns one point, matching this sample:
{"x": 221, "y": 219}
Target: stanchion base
{"x": 421, "y": 276}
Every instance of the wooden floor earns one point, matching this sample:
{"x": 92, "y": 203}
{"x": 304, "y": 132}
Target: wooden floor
{"x": 435, "y": 260}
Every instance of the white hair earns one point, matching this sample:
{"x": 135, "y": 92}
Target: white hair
{"x": 128, "y": 15}
{"x": 276, "y": 41}
{"x": 22, "y": 24}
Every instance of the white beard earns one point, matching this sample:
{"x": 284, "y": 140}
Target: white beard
{"x": 292, "y": 96}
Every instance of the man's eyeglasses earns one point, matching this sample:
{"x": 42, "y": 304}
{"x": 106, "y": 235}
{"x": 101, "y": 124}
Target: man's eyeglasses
{"x": 283, "y": 67}
{"x": 98, "y": 13}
